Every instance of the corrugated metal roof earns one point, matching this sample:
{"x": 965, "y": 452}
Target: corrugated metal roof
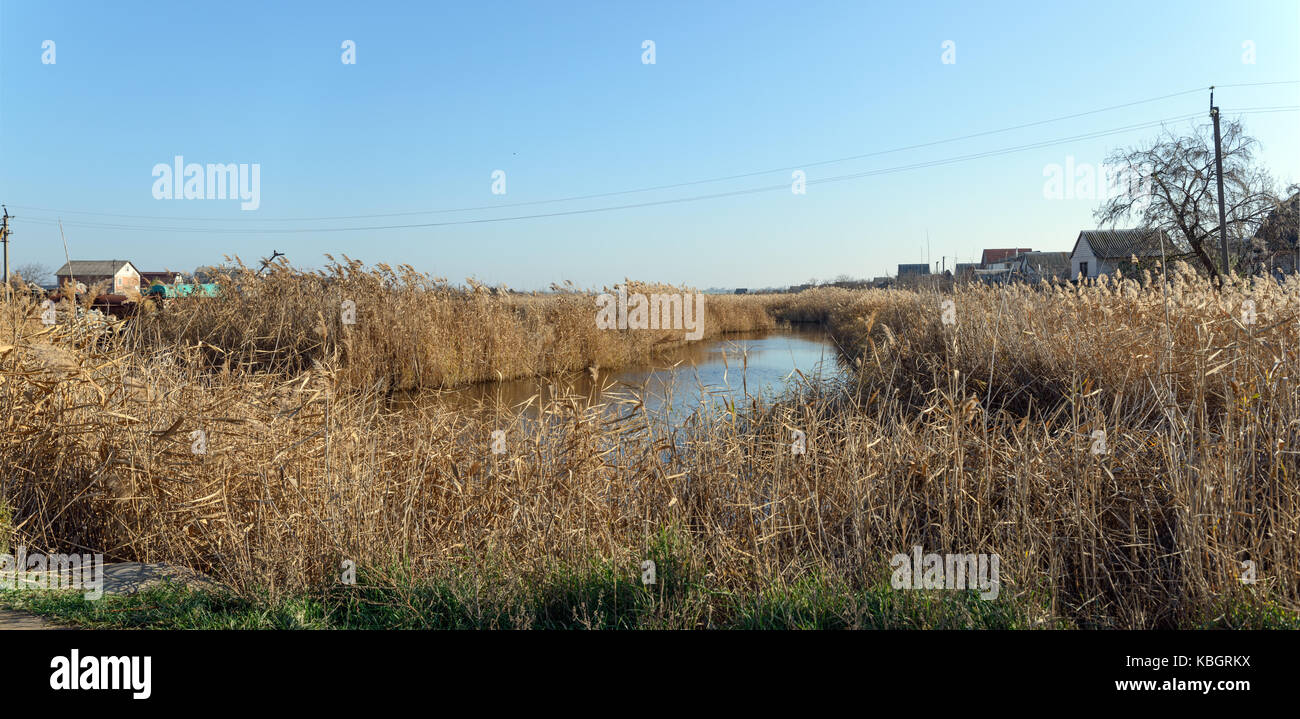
{"x": 917, "y": 269}
{"x": 1047, "y": 263}
{"x": 1122, "y": 244}
{"x": 90, "y": 268}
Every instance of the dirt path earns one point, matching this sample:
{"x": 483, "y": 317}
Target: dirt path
{"x": 10, "y": 619}
{"x": 119, "y": 578}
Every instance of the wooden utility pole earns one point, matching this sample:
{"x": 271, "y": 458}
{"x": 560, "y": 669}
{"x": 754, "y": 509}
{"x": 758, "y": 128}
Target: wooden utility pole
{"x": 4, "y": 237}
{"x": 1218, "y": 176}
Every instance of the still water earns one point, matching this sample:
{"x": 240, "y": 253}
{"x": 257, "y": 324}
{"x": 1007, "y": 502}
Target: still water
{"x": 719, "y": 370}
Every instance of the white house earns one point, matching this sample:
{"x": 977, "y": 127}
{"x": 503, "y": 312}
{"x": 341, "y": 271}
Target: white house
{"x": 1101, "y": 252}
{"x": 123, "y": 275}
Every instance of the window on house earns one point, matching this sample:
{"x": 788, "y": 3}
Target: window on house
{"x": 1083, "y": 268}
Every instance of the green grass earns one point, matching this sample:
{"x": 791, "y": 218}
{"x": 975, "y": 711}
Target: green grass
{"x": 592, "y": 599}
{"x": 599, "y": 603}
{"x": 169, "y": 607}
{"x": 826, "y": 604}
{"x": 6, "y": 525}
{"x": 597, "y": 595}
{"x": 1249, "y": 614}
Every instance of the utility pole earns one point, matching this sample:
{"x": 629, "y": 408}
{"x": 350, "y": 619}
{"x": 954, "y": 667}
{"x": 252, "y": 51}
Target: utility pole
{"x": 1218, "y": 176}
{"x": 4, "y": 237}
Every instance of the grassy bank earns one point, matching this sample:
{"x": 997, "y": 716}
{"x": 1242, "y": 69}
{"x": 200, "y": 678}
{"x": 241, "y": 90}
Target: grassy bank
{"x": 596, "y": 605}
{"x": 594, "y": 599}
{"x": 1123, "y": 448}
{"x": 594, "y": 595}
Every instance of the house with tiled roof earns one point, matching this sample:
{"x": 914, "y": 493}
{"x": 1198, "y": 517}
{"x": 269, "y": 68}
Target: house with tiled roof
{"x": 994, "y": 258}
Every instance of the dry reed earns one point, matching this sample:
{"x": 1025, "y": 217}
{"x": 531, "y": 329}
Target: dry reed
{"x": 976, "y": 437}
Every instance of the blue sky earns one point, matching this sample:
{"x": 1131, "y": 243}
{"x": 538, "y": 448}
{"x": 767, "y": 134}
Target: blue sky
{"x": 556, "y": 95}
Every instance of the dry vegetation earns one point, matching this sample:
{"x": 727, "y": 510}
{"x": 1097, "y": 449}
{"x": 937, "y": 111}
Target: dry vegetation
{"x": 975, "y": 437}
{"x": 412, "y": 331}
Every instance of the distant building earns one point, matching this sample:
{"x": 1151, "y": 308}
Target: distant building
{"x": 1001, "y": 273}
{"x": 184, "y": 289}
{"x": 963, "y": 269}
{"x": 919, "y": 269}
{"x": 163, "y": 278}
{"x": 1035, "y": 266}
{"x": 121, "y": 274}
{"x": 993, "y": 259}
{"x": 742, "y": 291}
{"x": 1101, "y": 252}
{"x": 1275, "y": 241}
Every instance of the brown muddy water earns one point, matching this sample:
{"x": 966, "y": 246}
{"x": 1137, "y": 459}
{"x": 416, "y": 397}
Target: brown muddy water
{"x": 699, "y": 374}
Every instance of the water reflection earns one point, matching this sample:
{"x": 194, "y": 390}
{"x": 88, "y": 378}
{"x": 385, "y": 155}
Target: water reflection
{"x": 697, "y": 374}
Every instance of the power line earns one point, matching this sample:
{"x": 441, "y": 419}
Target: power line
{"x": 732, "y": 193}
{"x": 654, "y": 188}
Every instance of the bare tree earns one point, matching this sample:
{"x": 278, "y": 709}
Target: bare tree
{"x": 34, "y": 272}
{"x": 1170, "y": 185}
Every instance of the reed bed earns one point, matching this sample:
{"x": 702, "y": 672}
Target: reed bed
{"x": 410, "y": 331}
{"x": 975, "y": 436}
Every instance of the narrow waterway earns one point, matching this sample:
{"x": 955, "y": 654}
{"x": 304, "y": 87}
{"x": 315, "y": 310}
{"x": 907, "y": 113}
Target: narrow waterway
{"x": 720, "y": 370}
